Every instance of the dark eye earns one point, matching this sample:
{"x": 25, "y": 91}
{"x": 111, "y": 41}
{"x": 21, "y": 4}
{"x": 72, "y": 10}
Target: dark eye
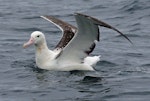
{"x": 38, "y": 36}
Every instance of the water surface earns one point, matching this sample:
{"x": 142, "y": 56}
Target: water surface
{"x": 123, "y": 74}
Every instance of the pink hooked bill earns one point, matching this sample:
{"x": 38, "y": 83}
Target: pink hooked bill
{"x": 30, "y": 42}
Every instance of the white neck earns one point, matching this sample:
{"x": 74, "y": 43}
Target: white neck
{"x": 40, "y": 47}
{"x": 43, "y": 54}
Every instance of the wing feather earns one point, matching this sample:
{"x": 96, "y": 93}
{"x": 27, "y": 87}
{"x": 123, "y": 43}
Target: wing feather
{"x": 68, "y": 30}
{"x": 103, "y": 24}
{"x": 83, "y": 43}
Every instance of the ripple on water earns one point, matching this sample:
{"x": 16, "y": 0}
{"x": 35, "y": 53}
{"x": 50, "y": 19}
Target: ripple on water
{"x": 28, "y": 64}
{"x": 91, "y": 79}
{"x": 126, "y": 96}
{"x": 105, "y": 63}
{"x": 27, "y": 29}
{"x": 135, "y": 54}
{"x": 123, "y": 80}
{"x": 134, "y": 5}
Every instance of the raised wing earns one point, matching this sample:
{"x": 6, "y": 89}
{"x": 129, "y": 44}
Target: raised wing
{"x": 103, "y": 24}
{"x": 84, "y": 41}
{"x": 68, "y": 30}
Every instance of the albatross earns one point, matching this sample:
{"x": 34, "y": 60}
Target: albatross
{"x": 73, "y": 50}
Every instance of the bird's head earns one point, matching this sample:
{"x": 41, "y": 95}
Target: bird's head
{"x": 37, "y": 38}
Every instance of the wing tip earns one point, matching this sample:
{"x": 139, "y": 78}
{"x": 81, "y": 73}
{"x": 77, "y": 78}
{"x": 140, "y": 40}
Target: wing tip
{"x": 80, "y": 14}
{"x": 44, "y": 17}
{"x": 47, "y": 17}
{"x": 103, "y": 24}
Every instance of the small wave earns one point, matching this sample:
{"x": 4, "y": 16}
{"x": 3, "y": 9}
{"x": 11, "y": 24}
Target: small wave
{"x": 5, "y": 14}
{"x": 24, "y": 63}
{"x": 91, "y": 79}
{"x": 32, "y": 17}
{"x": 136, "y": 24}
{"x": 146, "y": 65}
{"x": 131, "y": 6}
{"x": 106, "y": 63}
{"x": 134, "y": 54}
{"x": 28, "y": 64}
{"x": 27, "y": 29}
{"x": 130, "y": 35}
{"x": 141, "y": 69}
{"x": 98, "y": 7}
{"x": 125, "y": 94}
{"x": 12, "y": 40}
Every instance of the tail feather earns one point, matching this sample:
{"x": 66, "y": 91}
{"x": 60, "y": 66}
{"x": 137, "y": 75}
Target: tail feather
{"x": 92, "y": 60}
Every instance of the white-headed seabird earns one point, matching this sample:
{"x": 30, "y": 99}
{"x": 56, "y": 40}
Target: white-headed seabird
{"x": 72, "y": 51}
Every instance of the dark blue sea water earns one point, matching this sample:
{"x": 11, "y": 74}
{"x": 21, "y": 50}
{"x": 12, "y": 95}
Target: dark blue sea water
{"x": 123, "y": 74}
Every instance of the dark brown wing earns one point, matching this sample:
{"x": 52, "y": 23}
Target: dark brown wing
{"x": 67, "y": 30}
